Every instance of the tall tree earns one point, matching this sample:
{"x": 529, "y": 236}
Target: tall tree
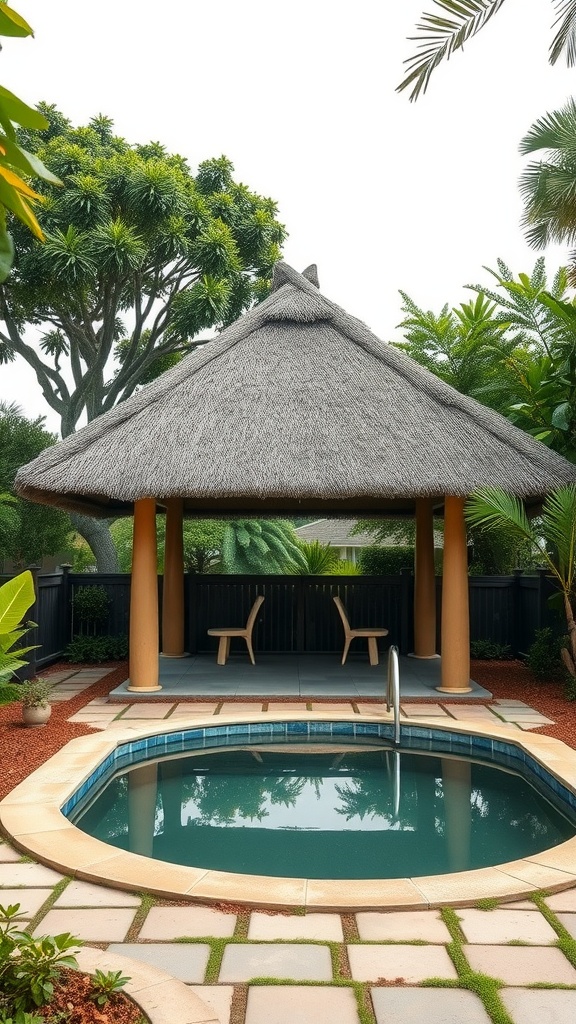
{"x": 454, "y": 22}
{"x": 518, "y": 356}
{"x": 140, "y": 256}
{"x": 548, "y": 185}
{"x": 202, "y": 543}
{"x": 260, "y": 546}
{"x": 30, "y": 530}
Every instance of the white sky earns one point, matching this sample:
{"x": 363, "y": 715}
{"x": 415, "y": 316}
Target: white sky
{"x": 380, "y": 193}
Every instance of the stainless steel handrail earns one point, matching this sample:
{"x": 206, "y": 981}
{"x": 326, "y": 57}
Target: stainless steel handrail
{"x": 393, "y": 690}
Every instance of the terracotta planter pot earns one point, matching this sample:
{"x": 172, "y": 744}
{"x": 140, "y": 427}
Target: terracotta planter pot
{"x": 35, "y": 718}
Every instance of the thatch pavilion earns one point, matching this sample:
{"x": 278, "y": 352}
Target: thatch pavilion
{"x": 295, "y": 408}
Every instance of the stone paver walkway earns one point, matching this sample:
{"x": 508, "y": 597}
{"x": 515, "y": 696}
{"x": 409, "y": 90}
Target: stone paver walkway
{"x": 365, "y": 968}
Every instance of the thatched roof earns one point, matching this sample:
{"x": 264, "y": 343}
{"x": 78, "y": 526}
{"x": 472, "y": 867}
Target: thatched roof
{"x": 296, "y": 406}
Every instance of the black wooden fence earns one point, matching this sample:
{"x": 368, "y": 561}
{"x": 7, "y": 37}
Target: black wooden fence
{"x": 298, "y": 615}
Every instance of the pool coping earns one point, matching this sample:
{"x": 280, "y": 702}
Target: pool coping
{"x": 55, "y": 841}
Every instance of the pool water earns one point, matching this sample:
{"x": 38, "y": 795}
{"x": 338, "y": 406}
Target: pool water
{"x": 334, "y": 813}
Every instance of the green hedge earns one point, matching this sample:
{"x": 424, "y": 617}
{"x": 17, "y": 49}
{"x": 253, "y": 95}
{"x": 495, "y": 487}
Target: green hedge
{"x": 377, "y": 561}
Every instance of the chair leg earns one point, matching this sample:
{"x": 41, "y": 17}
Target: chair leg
{"x": 347, "y": 643}
{"x": 223, "y": 650}
{"x": 250, "y": 649}
{"x": 373, "y": 650}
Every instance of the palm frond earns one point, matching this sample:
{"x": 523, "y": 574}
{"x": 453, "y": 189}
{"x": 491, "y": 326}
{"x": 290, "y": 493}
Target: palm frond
{"x": 552, "y": 131}
{"x": 439, "y": 35}
{"x": 490, "y": 508}
{"x": 559, "y": 526}
{"x": 564, "y": 42}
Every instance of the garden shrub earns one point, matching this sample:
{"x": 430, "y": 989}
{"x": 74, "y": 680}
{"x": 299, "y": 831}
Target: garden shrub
{"x": 97, "y": 648}
{"x": 90, "y": 607}
{"x": 377, "y": 561}
{"x": 487, "y": 650}
{"x": 543, "y": 658}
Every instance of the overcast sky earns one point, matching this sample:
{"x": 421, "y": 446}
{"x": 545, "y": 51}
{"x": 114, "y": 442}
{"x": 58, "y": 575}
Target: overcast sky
{"x": 382, "y": 194}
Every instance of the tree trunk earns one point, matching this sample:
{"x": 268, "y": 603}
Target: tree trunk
{"x": 96, "y": 532}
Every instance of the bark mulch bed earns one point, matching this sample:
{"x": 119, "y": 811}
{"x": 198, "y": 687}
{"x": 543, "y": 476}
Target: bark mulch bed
{"x": 71, "y": 1004}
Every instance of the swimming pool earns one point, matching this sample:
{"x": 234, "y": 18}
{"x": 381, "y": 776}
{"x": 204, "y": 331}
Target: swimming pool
{"x": 33, "y": 813}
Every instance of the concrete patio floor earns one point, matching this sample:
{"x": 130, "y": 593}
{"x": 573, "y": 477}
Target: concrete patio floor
{"x": 292, "y": 675}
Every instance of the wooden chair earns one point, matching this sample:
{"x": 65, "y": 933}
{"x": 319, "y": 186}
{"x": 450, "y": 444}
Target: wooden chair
{"x": 245, "y": 632}
{"x": 349, "y": 635}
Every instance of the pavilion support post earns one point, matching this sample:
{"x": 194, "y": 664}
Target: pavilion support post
{"x": 455, "y": 602}
{"x": 424, "y": 582}
{"x": 144, "y": 600}
{"x": 173, "y": 591}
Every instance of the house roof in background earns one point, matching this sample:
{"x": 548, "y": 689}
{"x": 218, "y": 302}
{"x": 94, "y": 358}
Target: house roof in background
{"x": 295, "y": 407}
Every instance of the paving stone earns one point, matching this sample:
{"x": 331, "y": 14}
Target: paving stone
{"x": 192, "y": 922}
{"x": 508, "y": 702}
{"x": 93, "y": 925}
{"x": 299, "y": 961}
{"x": 231, "y": 707}
{"x": 266, "y": 927}
{"x": 294, "y": 1004}
{"x": 147, "y": 711}
{"x": 183, "y": 960}
{"x": 423, "y": 709}
{"x": 517, "y": 905}
{"x": 542, "y": 1005}
{"x": 12, "y": 875}
{"x": 217, "y": 997}
{"x": 433, "y": 1005}
{"x": 481, "y": 926}
{"x": 85, "y": 894}
{"x": 523, "y": 717}
{"x": 7, "y": 854}
{"x": 399, "y": 927}
{"x": 392, "y": 962}
{"x": 30, "y": 900}
{"x": 287, "y": 705}
{"x": 374, "y": 709}
{"x": 563, "y": 901}
{"x": 481, "y": 713}
{"x": 569, "y": 922}
{"x": 193, "y": 709}
{"x": 522, "y": 965}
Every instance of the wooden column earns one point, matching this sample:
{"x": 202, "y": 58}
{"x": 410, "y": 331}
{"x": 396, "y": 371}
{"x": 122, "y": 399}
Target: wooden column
{"x": 173, "y": 592}
{"x": 144, "y": 600}
{"x": 424, "y": 582}
{"x": 455, "y": 604}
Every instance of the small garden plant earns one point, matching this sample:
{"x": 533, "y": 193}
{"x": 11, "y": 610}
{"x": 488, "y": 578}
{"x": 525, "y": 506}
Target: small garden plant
{"x": 105, "y": 984}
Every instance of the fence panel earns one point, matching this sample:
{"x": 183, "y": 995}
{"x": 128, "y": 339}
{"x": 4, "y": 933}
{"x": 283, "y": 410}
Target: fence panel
{"x": 492, "y": 609}
{"x": 117, "y": 586}
{"x": 50, "y": 614}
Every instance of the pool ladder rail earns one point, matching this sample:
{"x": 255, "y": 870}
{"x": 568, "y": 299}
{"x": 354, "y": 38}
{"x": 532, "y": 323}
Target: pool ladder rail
{"x": 393, "y": 690}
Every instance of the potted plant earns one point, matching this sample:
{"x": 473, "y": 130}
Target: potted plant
{"x": 35, "y": 697}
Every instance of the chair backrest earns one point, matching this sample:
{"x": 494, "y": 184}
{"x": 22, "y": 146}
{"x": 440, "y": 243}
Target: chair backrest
{"x": 343, "y": 615}
{"x": 254, "y": 612}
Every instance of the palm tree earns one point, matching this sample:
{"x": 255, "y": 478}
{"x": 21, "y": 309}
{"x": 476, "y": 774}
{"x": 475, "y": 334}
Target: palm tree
{"x": 440, "y": 34}
{"x": 318, "y": 559}
{"x": 548, "y": 187}
{"x": 553, "y": 534}
{"x": 260, "y": 546}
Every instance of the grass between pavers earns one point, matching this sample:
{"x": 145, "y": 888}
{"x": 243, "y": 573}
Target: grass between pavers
{"x": 485, "y": 987}
{"x": 48, "y": 903}
{"x": 147, "y": 901}
{"x": 565, "y": 942}
{"x": 488, "y": 903}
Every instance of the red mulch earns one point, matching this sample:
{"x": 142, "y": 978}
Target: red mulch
{"x": 24, "y": 749}
{"x": 71, "y": 1000}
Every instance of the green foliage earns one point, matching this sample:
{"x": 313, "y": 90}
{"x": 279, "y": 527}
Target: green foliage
{"x": 487, "y": 650}
{"x": 260, "y": 546}
{"x": 553, "y": 536}
{"x": 343, "y": 567}
{"x": 29, "y": 966}
{"x": 16, "y": 196}
{"x": 105, "y": 984}
{"x": 90, "y": 607}
{"x": 441, "y": 34}
{"x": 516, "y": 352}
{"x": 320, "y": 559}
{"x": 9, "y": 693}
{"x": 28, "y": 531}
{"x": 202, "y": 540}
{"x": 35, "y": 693}
{"x": 141, "y": 255}
{"x": 16, "y": 597}
{"x": 543, "y": 658}
{"x": 97, "y": 648}
{"x": 377, "y": 561}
